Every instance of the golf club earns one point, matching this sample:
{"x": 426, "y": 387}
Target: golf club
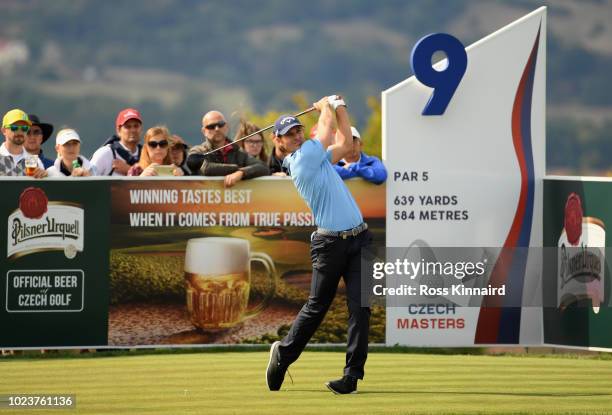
{"x": 306, "y": 111}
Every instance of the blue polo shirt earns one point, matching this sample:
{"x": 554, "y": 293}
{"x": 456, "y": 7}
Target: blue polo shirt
{"x": 322, "y": 188}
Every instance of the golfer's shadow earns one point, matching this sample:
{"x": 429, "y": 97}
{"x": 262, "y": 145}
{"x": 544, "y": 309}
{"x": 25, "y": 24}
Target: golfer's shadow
{"x": 416, "y": 392}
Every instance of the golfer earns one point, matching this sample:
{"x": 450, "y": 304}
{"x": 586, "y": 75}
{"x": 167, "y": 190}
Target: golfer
{"x": 335, "y": 246}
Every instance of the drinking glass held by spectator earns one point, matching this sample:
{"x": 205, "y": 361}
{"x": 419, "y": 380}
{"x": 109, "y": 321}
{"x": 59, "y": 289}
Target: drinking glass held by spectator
{"x": 123, "y": 148}
{"x": 31, "y": 163}
{"x": 178, "y": 153}
{"x": 69, "y": 160}
{"x": 15, "y": 127}
{"x": 39, "y": 133}
{"x": 230, "y": 161}
{"x": 359, "y": 164}
{"x": 155, "y": 158}
{"x": 254, "y": 146}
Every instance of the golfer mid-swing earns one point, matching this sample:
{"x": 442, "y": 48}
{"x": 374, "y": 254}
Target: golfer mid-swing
{"x": 335, "y": 246}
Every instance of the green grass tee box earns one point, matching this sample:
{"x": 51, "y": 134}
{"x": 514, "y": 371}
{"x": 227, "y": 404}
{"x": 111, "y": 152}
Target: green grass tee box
{"x": 234, "y": 383}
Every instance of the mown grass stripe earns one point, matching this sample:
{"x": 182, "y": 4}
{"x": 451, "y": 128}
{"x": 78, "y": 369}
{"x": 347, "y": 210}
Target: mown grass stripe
{"x": 234, "y": 383}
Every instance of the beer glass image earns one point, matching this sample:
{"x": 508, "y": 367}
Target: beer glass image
{"x": 218, "y": 281}
{"x": 31, "y": 162}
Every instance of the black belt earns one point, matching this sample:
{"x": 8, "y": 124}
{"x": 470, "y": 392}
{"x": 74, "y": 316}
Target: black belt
{"x": 344, "y": 234}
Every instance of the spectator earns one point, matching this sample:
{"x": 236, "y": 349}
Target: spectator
{"x": 359, "y": 164}
{"x": 15, "y": 126}
{"x": 156, "y": 152}
{"x": 69, "y": 161}
{"x": 38, "y": 134}
{"x": 230, "y": 161}
{"x": 178, "y": 153}
{"x": 122, "y": 149}
{"x": 254, "y": 146}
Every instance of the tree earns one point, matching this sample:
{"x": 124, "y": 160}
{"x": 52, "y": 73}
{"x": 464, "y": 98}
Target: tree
{"x": 372, "y": 139}
{"x": 372, "y": 134}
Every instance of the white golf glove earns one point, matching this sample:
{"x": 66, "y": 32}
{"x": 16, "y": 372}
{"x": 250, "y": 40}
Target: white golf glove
{"x": 335, "y": 101}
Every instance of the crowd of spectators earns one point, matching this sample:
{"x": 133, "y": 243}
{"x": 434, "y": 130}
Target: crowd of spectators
{"x": 160, "y": 153}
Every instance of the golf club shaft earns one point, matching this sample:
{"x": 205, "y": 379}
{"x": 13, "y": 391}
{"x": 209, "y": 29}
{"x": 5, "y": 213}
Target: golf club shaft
{"x": 306, "y": 111}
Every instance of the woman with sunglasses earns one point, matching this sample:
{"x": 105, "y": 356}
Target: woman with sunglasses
{"x": 254, "y": 146}
{"x": 155, "y": 153}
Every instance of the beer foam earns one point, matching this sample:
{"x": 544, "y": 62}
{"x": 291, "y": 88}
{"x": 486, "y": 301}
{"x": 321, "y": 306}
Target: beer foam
{"x": 217, "y": 256}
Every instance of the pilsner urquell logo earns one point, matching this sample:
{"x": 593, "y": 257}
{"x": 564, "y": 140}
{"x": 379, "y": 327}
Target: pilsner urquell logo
{"x": 39, "y": 225}
{"x": 581, "y": 260}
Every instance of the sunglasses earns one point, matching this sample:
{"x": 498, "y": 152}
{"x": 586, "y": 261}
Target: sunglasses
{"x": 161, "y": 144}
{"x": 24, "y": 128}
{"x": 219, "y": 124}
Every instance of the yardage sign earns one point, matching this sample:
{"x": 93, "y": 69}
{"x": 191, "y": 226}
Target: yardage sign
{"x": 464, "y": 143}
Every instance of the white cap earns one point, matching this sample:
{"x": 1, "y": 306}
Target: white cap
{"x": 355, "y": 132}
{"x": 66, "y": 135}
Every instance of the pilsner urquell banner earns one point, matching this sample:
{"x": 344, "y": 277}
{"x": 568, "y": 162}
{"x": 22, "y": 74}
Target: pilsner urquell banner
{"x": 55, "y": 267}
{"x": 98, "y": 262}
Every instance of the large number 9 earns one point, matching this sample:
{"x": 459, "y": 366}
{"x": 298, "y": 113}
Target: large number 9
{"x": 444, "y": 82}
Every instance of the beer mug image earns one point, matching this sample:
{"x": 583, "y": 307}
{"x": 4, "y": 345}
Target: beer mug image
{"x": 218, "y": 281}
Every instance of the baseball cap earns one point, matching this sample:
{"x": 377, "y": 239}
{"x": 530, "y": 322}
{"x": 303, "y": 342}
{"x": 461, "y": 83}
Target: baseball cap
{"x": 284, "y": 123}
{"x": 15, "y": 115}
{"x": 68, "y": 134}
{"x": 126, "y": 115}
{"x": 355, "y": 133}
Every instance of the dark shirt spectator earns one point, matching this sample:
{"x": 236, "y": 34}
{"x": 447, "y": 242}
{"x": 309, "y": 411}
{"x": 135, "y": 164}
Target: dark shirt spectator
{"x": 39, "y": 133}
{"x": 178, "y": 153}
{"x": 230, "y": 161}
{"x": 275, "y": 165}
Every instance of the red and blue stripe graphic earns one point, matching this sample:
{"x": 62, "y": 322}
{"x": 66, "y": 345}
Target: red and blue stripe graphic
{"x": 500, "y": 321}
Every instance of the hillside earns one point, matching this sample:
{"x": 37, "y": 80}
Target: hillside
{"x": 177, "y": 59}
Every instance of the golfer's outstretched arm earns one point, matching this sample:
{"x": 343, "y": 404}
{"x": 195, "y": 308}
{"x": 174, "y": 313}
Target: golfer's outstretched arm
{"x": 344, "y": 137}
{"x": 325, "y": 125}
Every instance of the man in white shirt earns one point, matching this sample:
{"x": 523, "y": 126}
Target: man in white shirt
{"x": 122, "y": 149}
{"x": 15, "y": 127}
